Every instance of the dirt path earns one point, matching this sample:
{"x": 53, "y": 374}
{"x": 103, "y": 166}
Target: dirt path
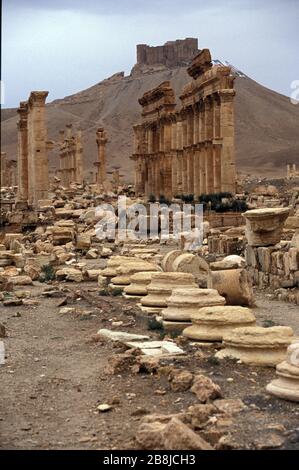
{"x": 54, "y": 379}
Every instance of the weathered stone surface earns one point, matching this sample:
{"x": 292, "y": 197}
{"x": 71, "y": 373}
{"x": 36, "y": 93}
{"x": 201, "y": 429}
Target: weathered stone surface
{"x": 162, "y": 285}
{"x": 21, "y": 280}
{"x": 229, "y": 262}
{"x": 178, "y": 436}
{"x": 205, "y": 389}
{"x": 264, "y": 226}
{"x": 193, "y": 264}
{"x": 183, "y": 303}
{"x": 212, "y": 323}
{"x": 233, "y": 284}
{"x": 167, "y": 261}
{"x": 257, "y": 345}
{"x": 125, "y": 271}
{"x": 2, "y": 331}
{"x": 200, "y": 414}
{"x": 32, "y": 269}
{"x": 69, "y": 274}
{"x": 121, "y": 336}
{"x": 138, "y": 284}
{"x": 180, "y": 380}
{"x": 286, "y": 386}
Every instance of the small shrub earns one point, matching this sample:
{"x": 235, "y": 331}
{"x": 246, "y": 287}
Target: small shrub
{"x": 104, "y": 292}
{"x": 48, "y": 273}
{"x": 153, "y": 324}
{"x": 188, "y": 198}
{"x": 213, "y": 361}
{"x": 116, "y": 292}
{"x": 268, "y": 323}
{"x": 152, "y": 198}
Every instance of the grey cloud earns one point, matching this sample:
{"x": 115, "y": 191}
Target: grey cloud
{"x": 129, "y": 7}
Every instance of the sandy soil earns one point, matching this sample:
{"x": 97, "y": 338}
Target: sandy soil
{"x": 54, "y": 379}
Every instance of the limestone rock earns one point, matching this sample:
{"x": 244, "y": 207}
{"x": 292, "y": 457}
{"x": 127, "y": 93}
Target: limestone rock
{"x": 178, "y": 436}
{"x": 138, "y": 284}
{"x": 184, "y": 302}
{"x": 121, "y": 335}
{"x": 149, "y": 435}
{"x": 264, "y": 226}
{"x": 200, "y": 414}
{"x": 21, "y": 280}
{"x": 180, "y": 380}
{"x": 161, "y": 287}
{"x": 167, "y": 261}
{"x": 234, "y": 285}
{"x": 205, "y": 389}
{"x": 69, "y": 274}
{"x": 211, "y": 323}
{"x": 257, "y": 345}
{"x": 32, "y": 269}
{"x": 124, "y": 272}
{"x": 193, "y": 264}
{"x": 2, "y": 331}
{"x": 286, "y": 386}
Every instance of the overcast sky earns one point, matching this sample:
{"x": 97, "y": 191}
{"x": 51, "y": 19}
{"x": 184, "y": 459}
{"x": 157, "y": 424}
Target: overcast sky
{"x": 65, "y": 46}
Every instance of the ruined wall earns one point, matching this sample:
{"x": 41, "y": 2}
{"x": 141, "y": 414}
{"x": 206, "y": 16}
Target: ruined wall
{"x": 171, "y": 54}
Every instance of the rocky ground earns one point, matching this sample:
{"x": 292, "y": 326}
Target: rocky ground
{"x": 56, "y": 376}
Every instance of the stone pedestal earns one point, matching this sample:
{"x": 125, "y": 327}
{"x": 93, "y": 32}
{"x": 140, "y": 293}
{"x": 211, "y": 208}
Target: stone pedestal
{"x": 286, "y": 386}
{"x": 184, "y": 303}
{"x": 212, "y": 322}
{"x": 256, "y": 345}
{"x": 125, "y": 271}
{"x": 161, "y": 288}
{"x": 138, "y": 285}
{"x": 264, "y": 226}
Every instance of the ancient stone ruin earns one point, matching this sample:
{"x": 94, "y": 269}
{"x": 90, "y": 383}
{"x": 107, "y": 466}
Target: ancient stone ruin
{"x": 33, "y": 172}
{"x": 70, "y": 157}
{"x": 190, "y": 150}
{"x": 172, "y": 53}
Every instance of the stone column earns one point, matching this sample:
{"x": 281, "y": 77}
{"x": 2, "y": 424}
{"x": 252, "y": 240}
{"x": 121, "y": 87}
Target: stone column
{"x": 3, "y": 163}
{"x": 209, "y": 168}
{"x": 23, "y": 152}
{"x": 228, "y": 169}
{"x": 168, "y": 177}
{"x": 217, "y": 166}
{"x": 196, "y": 125}
{"x": 174, "y": 172}
{"x": 190, "y": 172}
{"x": 38, "y": 171}
{"x": 180, "y": 171}
{"x": 101, "y": 143}
{"x": 79, "y": 158}
{"x": 202, "y": 170}
{"x": 185, "y": 172}
{"x": 196, "y": 172}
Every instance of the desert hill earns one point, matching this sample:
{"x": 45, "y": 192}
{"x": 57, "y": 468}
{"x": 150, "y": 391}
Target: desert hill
{"x": 266, "y": 122}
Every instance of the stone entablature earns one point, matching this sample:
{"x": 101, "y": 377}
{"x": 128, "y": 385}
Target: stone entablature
{"x": 190, "y": 150}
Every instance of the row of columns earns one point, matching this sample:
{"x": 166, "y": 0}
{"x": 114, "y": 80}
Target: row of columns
{"x": 70, "y": 157}
{"x": 8, "y": 171}
{"x": 189, "y": 152}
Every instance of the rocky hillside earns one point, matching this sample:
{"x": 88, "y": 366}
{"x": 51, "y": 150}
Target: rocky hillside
{"x": 266, "y": 122}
